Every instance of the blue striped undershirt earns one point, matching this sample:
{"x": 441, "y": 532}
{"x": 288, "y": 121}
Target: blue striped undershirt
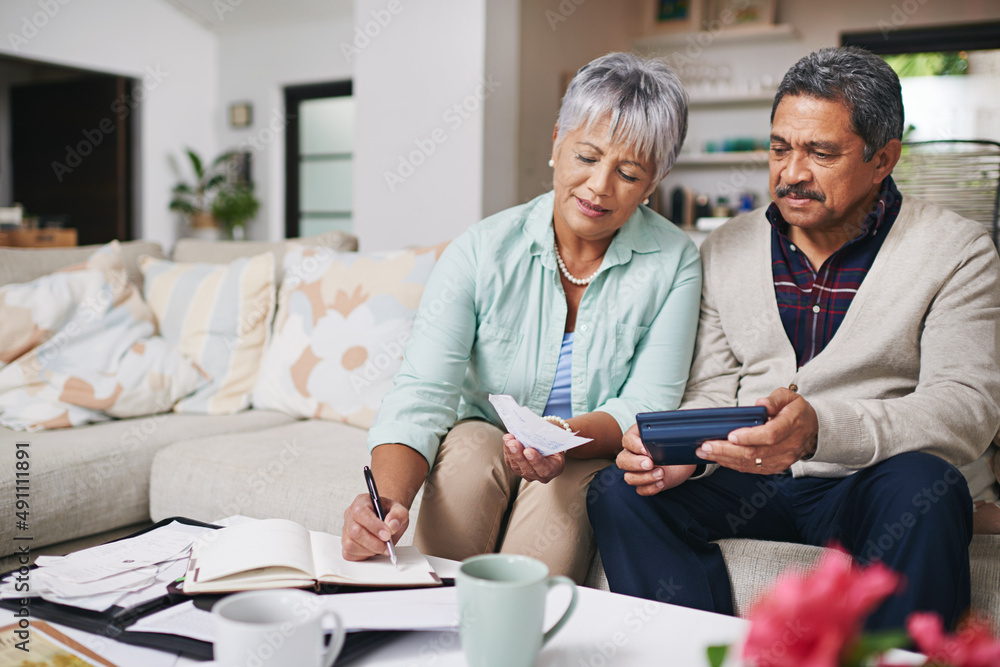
{"x": 559, "y": 398}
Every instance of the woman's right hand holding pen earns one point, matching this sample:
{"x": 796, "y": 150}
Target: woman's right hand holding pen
{"x": 399, "y": 472}
{"x": 365, "y": 535}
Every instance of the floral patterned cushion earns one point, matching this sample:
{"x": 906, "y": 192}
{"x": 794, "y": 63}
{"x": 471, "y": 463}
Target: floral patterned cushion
{"x": 343, "y": 321}
{"x": 78, "y": 346}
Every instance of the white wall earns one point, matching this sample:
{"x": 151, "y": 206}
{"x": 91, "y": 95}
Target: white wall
{"x": 421, "y": 85}
{"x": 503, "y": 40}
{"x": 146, "y": 39}
{"x": 558, "y": 37}
{"x": 256, "y": 63}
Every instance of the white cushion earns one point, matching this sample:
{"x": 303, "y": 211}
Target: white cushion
{"x": 82, "y": 348}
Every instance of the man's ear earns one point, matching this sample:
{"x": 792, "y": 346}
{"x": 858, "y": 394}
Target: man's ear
{"x": 886, "y": 158}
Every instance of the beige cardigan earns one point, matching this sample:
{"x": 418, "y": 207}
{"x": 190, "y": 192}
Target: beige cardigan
{"x": 913, "y": 366}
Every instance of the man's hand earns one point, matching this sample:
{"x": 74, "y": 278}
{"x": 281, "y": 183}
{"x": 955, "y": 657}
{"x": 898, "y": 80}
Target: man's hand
{"x": 364, "y": 534}
{"x": 787, "y": 437}
{"x": 529, "y": 463}
{"x": 648, "y": 479}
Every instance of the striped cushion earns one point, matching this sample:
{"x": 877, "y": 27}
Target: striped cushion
{"x": 218, "y": 315}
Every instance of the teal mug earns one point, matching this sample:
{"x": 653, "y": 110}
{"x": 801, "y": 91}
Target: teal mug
{"x": 501, "y": 603}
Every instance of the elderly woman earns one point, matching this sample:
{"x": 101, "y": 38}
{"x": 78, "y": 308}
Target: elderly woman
{"x": 582, "y": 304}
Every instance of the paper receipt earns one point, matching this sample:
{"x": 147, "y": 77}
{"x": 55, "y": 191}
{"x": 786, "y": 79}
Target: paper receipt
{"x": 531, "y": 430}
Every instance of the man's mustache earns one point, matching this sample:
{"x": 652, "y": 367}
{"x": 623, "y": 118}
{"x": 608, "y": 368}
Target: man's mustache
{"x": 798, "y": 191}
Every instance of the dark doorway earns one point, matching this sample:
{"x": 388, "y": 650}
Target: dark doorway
{"x": 319, "y": 153}
{"x": 71, "y": 153}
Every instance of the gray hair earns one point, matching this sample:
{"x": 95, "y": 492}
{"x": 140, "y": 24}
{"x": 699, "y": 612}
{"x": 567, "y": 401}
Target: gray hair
{"x": 858, "y": 79}
{"x": 644, "y": 98}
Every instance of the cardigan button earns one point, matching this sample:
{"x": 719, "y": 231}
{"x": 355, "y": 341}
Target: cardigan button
{"x": 793, "y": 387}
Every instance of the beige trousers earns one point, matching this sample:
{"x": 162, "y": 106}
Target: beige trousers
{"x": 474, "y": 504}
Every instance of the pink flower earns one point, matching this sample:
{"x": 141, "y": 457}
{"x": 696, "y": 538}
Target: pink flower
{"x": 810, "y": 619}
{"x": 972, "y": 646}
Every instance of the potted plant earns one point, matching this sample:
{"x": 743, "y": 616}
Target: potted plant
{"x": 233, "y": 206}
{"x": 200, "y": 201}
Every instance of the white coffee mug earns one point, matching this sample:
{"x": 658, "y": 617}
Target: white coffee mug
{"x": 274, "y": 628}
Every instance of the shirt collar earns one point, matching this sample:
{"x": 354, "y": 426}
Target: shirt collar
{"x": 635, "y": 235}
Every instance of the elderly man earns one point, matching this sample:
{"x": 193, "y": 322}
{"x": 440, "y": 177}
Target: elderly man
{"x": 866, "y": 322}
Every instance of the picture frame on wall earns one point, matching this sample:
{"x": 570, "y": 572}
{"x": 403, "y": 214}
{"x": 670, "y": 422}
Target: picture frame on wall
{"x": 735, "y": 13}
{"x": 670, "y": 16}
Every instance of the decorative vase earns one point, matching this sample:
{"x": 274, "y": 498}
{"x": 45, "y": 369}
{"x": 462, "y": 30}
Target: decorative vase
{"x": 203, "y": 226}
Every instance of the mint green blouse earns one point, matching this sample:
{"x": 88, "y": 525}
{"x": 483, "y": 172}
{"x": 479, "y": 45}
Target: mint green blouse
{"x": 492, "y": 317}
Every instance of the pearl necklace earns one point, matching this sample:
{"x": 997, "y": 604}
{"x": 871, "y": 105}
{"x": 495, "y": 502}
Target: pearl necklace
{"x": 569, "y": 276}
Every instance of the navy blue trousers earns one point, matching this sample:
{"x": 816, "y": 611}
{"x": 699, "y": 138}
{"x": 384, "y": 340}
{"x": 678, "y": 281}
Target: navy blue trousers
{"x": 912, "y": 512}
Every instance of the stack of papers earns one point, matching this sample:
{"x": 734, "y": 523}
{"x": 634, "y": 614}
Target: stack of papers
{"x": 125, "y": 573}
{"x": 531, "y": 430}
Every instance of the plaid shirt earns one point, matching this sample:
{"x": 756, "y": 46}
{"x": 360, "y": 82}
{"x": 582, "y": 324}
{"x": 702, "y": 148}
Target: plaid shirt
{"x": 813, "y": 304}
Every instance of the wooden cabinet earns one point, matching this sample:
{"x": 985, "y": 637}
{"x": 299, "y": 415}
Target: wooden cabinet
{"x": 39, "y": 238}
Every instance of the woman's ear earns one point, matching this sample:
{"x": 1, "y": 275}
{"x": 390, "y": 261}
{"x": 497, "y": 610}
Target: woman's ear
{"x": 652, "y": 188}
{"x": 555, "y": 135}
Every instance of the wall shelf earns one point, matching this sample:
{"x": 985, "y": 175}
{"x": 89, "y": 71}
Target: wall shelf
{"x": 734, "y": 35}
{"x": 732, "y": 99}
{"x": 721, "y": 159}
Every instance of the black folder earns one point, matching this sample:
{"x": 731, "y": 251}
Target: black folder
{"x": 114, "y": 622}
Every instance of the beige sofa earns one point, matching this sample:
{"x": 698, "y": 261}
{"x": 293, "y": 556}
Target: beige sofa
{"x": 89, "y": 481}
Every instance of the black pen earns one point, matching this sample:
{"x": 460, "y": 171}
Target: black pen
{"x": 377, "y": 504}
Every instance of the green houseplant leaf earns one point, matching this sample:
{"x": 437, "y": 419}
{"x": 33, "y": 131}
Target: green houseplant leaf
{"x": 234, "y": 206}
{"x": 214, "y": 192}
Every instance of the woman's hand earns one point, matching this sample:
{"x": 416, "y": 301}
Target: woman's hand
{"x": 529, "y": 463}
{"x": 640, "y": 472}
{"x": 364, "y": 534}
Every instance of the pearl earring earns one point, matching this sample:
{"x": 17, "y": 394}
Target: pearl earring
{"x": 646, "y": 200}
{"x": 551, "y": 163}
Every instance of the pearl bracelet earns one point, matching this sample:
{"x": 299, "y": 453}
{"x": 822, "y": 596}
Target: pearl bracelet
{"x": 558, "y": 421}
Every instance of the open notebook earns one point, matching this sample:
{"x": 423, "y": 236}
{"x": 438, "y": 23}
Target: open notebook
{"x": 276, "y": 553}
